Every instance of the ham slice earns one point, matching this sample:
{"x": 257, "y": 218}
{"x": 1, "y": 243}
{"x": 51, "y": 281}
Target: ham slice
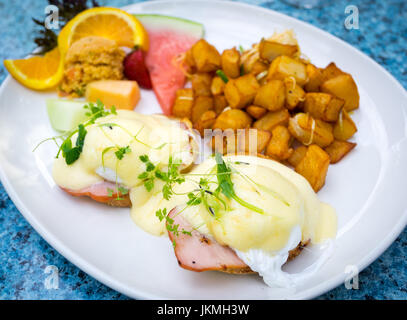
{"x": 99, "y": 192}
{"x": 199, "y": 253}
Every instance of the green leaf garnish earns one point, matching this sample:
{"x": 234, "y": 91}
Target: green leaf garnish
{"x": 222, "y": 75}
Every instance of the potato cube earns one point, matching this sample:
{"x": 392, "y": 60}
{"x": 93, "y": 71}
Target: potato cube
{"x": 231, "y": 63}
{"x": 323, "y": 106}
{"x": 259, "y": 67}
{"x": 283, "y": 67}
{"x": 205, "y": 121}
{"x": 338, "y": 149}
{"x": 294, "y": 94}
{"x": 308, "y": 130}
{"x": 344, "y": 128}
{"x": 217, "y": 86}
{"x": 201, "y": 105}
{"x": 272, "y": 120}
{"x": 201, "y": 84}
{"x": 232, "y": 119}
{"x": 241, "y": 91}
{"x": 219, "y": 103}
{"x": 279, "y": 145}
{"x": 314, "y": 166}
{"x": 343, "y": 87}
{"x": 269, "y": 50}
{"x": 184, "y": 101}
{"x": 271, "y": 95}
{"x": 205, "y": 56}
{"x": 297, "y": 155}
{"x": 255, "y": 111}
{"x": 331, "y": 71}
{"x": 315, "y": 78}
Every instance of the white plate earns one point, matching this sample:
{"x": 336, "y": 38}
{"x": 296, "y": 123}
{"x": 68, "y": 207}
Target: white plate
{"x": 367, "y": 188}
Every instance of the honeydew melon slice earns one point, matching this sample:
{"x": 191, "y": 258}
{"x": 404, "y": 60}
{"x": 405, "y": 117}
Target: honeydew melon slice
{"x": 65, "y": 115}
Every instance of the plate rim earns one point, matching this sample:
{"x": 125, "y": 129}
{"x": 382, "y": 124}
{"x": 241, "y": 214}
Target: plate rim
{"x": 133, "y": 292}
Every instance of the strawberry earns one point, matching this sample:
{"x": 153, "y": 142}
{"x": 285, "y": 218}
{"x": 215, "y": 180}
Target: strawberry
{"x": 135, "y": 69}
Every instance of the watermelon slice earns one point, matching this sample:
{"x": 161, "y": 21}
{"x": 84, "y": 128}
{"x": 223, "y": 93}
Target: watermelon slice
{"x": 169, "y": 37}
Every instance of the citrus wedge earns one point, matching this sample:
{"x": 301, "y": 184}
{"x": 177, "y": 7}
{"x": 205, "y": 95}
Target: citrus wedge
{"x": 37, "y": 72}
{"x": 110, "y": 23}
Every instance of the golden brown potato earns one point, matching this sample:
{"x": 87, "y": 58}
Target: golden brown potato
{"x": 255, "y": 111}
{"x": 201, "y": 105}
{"x": 259, "y": 67}
{"x": 323, "y": 106}
{"x": 283, "y": 67}
{"x": 279, "y": 145}
{"x": 201, "y": 84}
{"x": 344, "y": 128}
{"x": 231, "y": 63}
{"x": 232, "y": 119}
{"x": 338, "y": 149}
{"x": 271, "y": 95}
{"x": 219, "y": 103}
{"x": 343, "y": 87}
{"x": 205, "y": 56}
{"x": 297, "y": 155}
{"x": 272, "y": 120}
{"x": 247, "y": 141}
{"x": 331, "y": 71}
{"x": 294, "y": 94}
{"x": 241, "y": 91}
{"x": 269, "y": 50}
{"x": 315, "y": 78}
{"x": 308, "y": 130}
{"x": 314, "y": 166}
{"x": 205, "y": 121}
{"x": 184, "y": 101}
{"x": 217, "y": 86}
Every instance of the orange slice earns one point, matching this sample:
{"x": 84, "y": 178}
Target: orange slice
{"x": 37, "y": 72}
{"x": 110, "y": 23}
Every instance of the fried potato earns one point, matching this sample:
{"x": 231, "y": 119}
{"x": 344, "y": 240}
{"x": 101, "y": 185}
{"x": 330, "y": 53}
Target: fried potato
{"x": 219, "y": 103}
{"x": 272, "y": 119}
{"x": 256, "y": 111}
{"x": 308, "y": 130}
{"x": 344, "y": 87}
{"x": 344, "y": 128}
{"x": 314, "y": 166}
{"x": 241, "y": 91}
{"x": 201, "y": 105}
{"x": 339, "y": 149}
{"x": 205, "y": 56}
{"x": 184, "y": 101}
{"x": 315, "y": 78}
{"x": 206, "y": 121}
{"x": 201, "y": 84}
{"x": 271, "y": 95}
{"x": 284, "y": 67}
{"x": 247, "y": 141}
{"x": 269, "y": 50}
{"x": 297, "y": 155}
{"x": 217, "y": 86}
{"x": 259, "y": 67}
{"x": 331, "y": 71}
{"x": 294, "y": 94}
{"x": 232, "y": 119}
{"x": 323, "y": 106}
{"x": 231, "y": 63}
{"x": 279, "y": 145}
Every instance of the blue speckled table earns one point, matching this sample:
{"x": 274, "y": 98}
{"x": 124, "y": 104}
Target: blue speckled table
{"x": 24, "y": 255}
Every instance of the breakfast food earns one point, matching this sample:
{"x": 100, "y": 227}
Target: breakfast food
{"x": 270, "y": 88}
{"x": 91, "y": 59}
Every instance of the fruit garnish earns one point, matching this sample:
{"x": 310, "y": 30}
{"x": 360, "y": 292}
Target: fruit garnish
{"x": 66, "y": 115}
{"x": 37, "y": 72}
{"x": 110, "y": 23}
{"x": 135, "y": 69}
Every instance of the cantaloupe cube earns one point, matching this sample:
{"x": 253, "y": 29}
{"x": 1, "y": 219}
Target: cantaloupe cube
{"x": 123, "y": 94}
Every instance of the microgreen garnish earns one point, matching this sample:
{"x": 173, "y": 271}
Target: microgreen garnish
{"x": 226, "y": 185}
{"x": 241, "y": 49}
{"x": 122, "y": 151}
{"x": 222, "y": 75}
{"x": 71, "y": 154}
{"x": 162, "y": 214}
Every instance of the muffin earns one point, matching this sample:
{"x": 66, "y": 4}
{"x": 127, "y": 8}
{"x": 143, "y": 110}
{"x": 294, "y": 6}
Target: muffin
{"x": 91, "y": 59}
